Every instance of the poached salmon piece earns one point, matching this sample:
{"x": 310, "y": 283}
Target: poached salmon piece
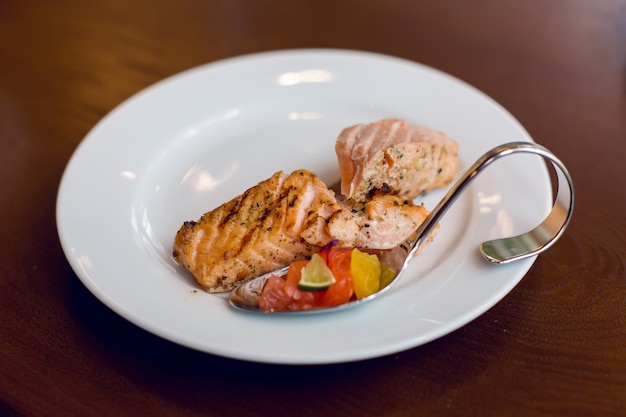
{"x": 408, "y": 159}
{"x": 283, "y": 219}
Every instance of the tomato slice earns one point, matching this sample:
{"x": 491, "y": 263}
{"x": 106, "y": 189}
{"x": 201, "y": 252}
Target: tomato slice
{"x": 273, "y": 296}
{"x": 365, "y": 269}
{"x": 338, "y": 260}
{"x": 302, "y": 300}
{"x": 283, "y": 294}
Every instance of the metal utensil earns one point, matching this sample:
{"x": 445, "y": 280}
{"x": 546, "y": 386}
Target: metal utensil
{"x": 497, "y": 251}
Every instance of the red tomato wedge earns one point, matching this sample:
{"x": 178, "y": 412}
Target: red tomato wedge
{"x": 273, "y": 296}
{"x": 338, "y": 260}
{"x": 283, "y": 294}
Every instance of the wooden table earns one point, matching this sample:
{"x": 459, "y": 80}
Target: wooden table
{"x": 556, "y": 345}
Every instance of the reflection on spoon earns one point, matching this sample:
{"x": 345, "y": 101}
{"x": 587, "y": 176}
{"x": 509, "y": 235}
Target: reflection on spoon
{"x": 504, "y": 250}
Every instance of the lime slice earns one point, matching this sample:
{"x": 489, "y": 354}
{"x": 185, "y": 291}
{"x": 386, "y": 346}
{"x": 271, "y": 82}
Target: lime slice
{"x": 316, "y": 275}
{"x": 365, "y": 270}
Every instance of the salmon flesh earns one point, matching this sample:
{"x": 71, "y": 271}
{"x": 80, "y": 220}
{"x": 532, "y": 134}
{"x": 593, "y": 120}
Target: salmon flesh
{"x": 405, "y": 159}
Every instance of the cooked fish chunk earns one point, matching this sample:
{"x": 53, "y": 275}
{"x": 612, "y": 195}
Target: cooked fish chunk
{"x": 256, "y": 232}
{"x": 391, "y": 153}
{"x": 382, "y": 222}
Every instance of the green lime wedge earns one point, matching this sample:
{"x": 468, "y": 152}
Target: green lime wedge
{"x": 316, "y": 276}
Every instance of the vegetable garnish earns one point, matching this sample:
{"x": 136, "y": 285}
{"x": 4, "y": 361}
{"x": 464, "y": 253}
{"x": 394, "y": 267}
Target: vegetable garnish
{"x": 366, "y": 273}
{"x": 316, "y": 275}
{"x": 334, "y": 276}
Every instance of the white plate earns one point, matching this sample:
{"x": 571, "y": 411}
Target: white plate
{"x": 185, "y": 145}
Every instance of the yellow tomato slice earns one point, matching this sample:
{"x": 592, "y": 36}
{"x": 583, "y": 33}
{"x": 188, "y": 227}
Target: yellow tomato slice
{"x": 387, "y": 274}
{"x": 366, "y": 271}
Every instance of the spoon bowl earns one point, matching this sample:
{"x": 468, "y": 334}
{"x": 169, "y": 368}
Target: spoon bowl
{"x": 498, "y": 251}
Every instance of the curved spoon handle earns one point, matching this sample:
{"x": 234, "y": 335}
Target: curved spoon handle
{"x": 533, "y": 242}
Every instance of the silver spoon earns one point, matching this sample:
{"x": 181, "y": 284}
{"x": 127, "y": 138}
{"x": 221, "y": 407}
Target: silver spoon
{"x": 497, "y": 251}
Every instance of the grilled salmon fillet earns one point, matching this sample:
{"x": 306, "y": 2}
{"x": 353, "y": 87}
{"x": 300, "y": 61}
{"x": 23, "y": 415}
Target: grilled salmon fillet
{"x": 283, "y": 219}
{"x": 408, "y": 159}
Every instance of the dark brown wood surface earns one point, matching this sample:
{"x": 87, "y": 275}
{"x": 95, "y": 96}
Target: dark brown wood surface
{"x": 556, "y": 345}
